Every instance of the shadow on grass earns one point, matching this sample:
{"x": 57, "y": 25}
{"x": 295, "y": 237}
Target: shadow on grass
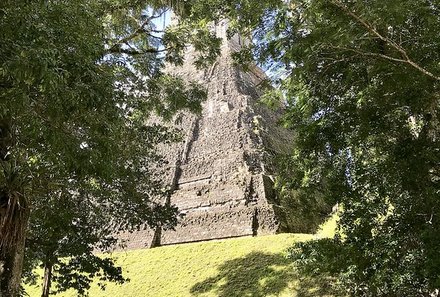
{"x": 257, "y": 275}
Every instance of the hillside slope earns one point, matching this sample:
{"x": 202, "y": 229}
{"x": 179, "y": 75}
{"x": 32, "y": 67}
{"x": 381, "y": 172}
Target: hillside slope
{"x": 248, "y": 266}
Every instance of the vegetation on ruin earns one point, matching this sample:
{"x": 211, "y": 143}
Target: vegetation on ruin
{"x": 251, "y": 266}
{"x": 361, "y": 80}
{"x": 78, "y": 81}
{"x": 256, "y": 266}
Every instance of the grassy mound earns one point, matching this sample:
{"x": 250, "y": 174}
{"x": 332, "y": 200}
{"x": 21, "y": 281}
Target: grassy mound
{"x": 251, "y": 266}
{"x": 248, "y": 266}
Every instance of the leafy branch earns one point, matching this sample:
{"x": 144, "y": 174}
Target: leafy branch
{"x": 405, "y": 57}
{"x": 134, "y": 52}
{"x": 117, "y": 46}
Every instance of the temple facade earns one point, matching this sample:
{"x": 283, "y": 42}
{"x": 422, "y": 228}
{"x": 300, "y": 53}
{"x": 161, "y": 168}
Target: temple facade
{"x": 223, "y": 170}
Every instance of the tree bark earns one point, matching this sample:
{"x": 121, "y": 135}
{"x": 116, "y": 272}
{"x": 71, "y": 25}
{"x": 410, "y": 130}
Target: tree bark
{"x": 47, "y": 279}
{"x": 14, "y": 216}
{"x": 11, "y": 264}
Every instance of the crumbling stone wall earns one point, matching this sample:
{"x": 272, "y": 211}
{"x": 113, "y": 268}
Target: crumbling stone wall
{"x": 221, "y": 171}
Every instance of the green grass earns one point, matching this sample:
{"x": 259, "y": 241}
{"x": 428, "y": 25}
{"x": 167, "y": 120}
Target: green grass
{"x": 248, "y": 266}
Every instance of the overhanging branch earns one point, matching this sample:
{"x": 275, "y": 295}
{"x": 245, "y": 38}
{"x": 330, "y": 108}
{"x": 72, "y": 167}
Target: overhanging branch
{"x": 134, "y": 52}
{"x": 117, "y": 47}
{"x": 405, "y": 57}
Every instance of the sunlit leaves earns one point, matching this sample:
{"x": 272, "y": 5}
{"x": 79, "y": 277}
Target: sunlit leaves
{"x": 360, "y": 83}
{"x": 79, "y": 81}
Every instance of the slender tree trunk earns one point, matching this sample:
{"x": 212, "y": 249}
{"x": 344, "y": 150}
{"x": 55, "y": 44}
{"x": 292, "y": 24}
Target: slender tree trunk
{"x": 14, "y": 215}
{"x": 11, "y": 264}
{"x": 47, "y": 279}
{"x": 156, "y": 237}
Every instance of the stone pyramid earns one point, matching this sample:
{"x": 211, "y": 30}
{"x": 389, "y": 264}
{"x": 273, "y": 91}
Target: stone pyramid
{"x": 222, "y": 171}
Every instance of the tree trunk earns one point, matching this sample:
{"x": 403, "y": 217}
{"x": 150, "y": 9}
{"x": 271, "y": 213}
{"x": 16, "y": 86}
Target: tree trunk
{"x": 156, "y": 242}
{"x": 11, "y": 264}
{"x": 47, "y": 279}
{"x": 14, "y": 215}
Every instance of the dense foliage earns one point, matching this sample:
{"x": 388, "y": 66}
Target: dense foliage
{"x": 360, "y": 80}
{"x": 360, "y": 85}
{"x": 78, "y": 81}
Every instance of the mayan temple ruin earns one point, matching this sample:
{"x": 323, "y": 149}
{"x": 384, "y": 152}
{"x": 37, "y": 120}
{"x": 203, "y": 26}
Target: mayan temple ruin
{"x": 222, "y": 171}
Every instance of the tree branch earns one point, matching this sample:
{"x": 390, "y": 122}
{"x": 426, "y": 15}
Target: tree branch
{"x": 136, "y": 32}
{"x": 370, "y": 54}
{"x": 406, "y": 59}
{"x": 135, "y": 52}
